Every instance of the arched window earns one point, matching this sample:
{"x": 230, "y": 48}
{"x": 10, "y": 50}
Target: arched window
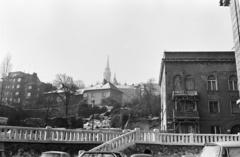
{"x": 177, "y": 83}
{"x": 189, "y": 83}
{"x": 212, "y": 83}
{"x": 232, "y": 83}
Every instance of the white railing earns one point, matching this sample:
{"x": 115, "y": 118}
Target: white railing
{"x": 119, "y": 143}
{"x": 183, "y": 139}
{"x": 113, "y": 139}
{"x": 27, "y": 134}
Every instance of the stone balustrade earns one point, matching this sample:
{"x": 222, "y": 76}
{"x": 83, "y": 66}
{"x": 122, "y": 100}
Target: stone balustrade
{"x": 183, "y": 139}
{"x": 113, "y": 139}
{"x": 41, "y": 135}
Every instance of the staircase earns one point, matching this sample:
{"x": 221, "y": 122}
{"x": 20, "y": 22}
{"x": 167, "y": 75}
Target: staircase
{"x": 119, "y": 143}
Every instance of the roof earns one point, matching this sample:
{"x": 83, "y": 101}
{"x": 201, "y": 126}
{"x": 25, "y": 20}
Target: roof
{"x": 55, "y": 91}
{"x": 224, "y": 144}
{"x": 105, "y": 86}
{"x": 79, "y": 91}
{"x": 125, "y": 86}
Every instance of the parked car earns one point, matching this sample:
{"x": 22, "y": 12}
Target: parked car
{"x": 100, "y": 154}
{"x": 54, "y": 154}
{"x": 221, "y": 149}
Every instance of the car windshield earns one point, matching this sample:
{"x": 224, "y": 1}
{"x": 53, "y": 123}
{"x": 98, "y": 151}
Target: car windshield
{"x": 212, "y": 151}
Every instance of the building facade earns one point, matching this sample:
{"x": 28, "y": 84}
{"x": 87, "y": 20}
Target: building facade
{"x": 20, "y": 89}
{"x": 235, "y": 17}
{"x": 55, "y": 100}
{"x": 199, "y": 92}
{"x": 129, "y": 92}
{"x": 96, "y": 94}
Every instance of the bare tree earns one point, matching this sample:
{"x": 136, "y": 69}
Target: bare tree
{"x": 68, "y": 87}
{"x": 6, "y": 66}
{"x": 79, "y": 84}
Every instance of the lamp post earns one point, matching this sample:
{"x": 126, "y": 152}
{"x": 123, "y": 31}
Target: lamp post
{"x": 93, "y": 101}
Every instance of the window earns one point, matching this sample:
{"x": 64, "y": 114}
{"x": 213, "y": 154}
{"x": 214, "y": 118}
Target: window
{"x": 213, "y": 106}
{"x": 104, "y": 94}
{"x": 177, "y": 83}
{"x": 29, "y": 87}
{"x": 212, "y": 83}
{"x": 29, "y": 94}
{"x": 215, "y": 129}
{"x": 18, "y": 100}
{"x": 10, "y": 99}
{"x": 12, "y": 86}
{"x": 18, "y": 86}
{"x": 19, "y": 80}
{"x": 235, "y": 108}
{"x": 232, "y": 83}
{"x": 17, "y": 93}
{"x": 189, "y": 83}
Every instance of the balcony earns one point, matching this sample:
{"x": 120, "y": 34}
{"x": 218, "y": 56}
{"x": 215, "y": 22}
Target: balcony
{"x": 184, "y": 93}
{"x": 185, "y": 115}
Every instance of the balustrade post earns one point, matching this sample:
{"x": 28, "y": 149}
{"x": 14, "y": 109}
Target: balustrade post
{"x": 191, "y": 140}
{"x": 48, "y": 133}
{"x": 137, "y": 135}
{"x": 156, "y": 133}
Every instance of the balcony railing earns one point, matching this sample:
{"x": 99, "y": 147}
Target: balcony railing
{"x": 186, "y": 115}
{"x": 184, "y": 93}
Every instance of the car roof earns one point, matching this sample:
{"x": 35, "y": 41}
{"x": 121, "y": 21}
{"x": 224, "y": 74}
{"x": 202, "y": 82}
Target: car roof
{"x": 101, "y": 152}
{"x": 141, "y": 155}
{"x": 224, "y": 144}
{"x": 55, "y": 152}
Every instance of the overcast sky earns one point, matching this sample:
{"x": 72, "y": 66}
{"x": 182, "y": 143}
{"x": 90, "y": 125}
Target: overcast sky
{"x": 76, "y": 36}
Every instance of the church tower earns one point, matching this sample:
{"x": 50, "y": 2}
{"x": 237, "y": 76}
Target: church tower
{"x": 107, "y": 72}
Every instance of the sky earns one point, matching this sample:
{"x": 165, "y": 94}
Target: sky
{"x": 75, "y": 37}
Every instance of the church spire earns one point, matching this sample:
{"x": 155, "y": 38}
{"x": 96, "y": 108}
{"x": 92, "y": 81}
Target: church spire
{"x": 108, "y": 63}
{"x": 115, "y": 82}
{"x": 107, "y": 72}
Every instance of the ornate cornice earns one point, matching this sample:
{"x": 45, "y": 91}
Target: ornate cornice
{"x": 199, "y": 60}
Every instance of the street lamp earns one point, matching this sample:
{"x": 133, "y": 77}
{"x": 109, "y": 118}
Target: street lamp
{"x": 93, "y": 101}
